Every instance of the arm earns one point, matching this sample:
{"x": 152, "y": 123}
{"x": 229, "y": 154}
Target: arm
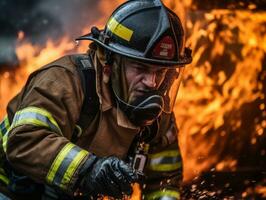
{"x": 38, "y": 141}
{"x": 164, "y": 168}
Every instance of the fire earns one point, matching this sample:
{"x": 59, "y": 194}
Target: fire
{"x": 222, "y": 87}
{"x": 210, "y": 98}
{"x": 31, "y": 57}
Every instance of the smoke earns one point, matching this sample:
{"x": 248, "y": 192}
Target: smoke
{"x": 40, "y": 20}
{"x": 72, "y": 15}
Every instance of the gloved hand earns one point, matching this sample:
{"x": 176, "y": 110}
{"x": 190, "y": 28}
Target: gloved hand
{"x": 108, "y": 176}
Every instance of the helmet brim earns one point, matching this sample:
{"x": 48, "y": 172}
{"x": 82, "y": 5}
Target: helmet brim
{"x": 186, "y": 59}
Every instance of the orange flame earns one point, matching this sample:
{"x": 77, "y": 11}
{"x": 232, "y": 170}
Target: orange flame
{"x": 209, "y": 98}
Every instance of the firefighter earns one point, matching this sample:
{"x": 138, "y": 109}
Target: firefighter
{"x": 93, "y": 124}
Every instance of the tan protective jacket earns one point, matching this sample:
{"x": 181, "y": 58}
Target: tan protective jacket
{"x": 36, "y": 137}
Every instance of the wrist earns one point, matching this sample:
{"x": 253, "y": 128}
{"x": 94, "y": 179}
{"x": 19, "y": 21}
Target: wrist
{"x": 84, "y": 169}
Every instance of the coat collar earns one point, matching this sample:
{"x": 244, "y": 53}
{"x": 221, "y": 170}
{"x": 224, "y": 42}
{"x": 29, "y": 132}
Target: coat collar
{"x": 106, "y": 100}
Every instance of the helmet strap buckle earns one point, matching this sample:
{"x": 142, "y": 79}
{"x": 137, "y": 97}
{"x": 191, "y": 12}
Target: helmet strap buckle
{"x": 105, "y": 39}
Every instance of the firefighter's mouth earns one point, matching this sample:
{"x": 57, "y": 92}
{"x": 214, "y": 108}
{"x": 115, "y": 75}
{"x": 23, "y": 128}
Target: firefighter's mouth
{"x": 147, "y": 93}
{"x": 142, "y": 94}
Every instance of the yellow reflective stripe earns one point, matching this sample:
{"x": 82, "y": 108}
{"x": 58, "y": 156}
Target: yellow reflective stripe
{"x": 162, "y": 193}
{"x": 170, "y": 153}
{"x": 3, "y": 176}
{"x": 58, "y": 160}
{"x": 165, "y": 167}
{"x": 119, "y": 29}
{"x": 4, "y": 126}
{"x": 2, "y": 171}
{"x": 165, "y": 161}
{"x": 29, "y": 121}
{"x": 7, "y": 125}
{"x": 4, "y": 142}
{"x": 42, "y": 112}
{"x": 32, "y": 116}
{"x": 4, "y": 179}
{"x": 72, "y": 168}
{"x": 65, "y": 164}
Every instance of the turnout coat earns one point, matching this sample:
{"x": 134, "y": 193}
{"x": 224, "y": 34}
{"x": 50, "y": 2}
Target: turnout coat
{"x": 37, "y": 134}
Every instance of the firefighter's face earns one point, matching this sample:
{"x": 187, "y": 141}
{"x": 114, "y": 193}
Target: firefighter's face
{"x": 142, "y": 78}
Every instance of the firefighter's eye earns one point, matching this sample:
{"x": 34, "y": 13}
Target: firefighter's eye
{"x": 139, "y": 68}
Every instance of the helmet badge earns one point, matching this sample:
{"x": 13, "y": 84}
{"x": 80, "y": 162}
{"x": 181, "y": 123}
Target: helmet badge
{"x": 165, "y": 48}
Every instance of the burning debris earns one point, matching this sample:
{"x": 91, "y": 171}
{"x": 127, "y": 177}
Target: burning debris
{"x": 221, "y": 108}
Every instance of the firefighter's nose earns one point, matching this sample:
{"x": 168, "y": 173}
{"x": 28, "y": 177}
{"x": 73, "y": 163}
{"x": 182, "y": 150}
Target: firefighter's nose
{"x": 150, "y": 79}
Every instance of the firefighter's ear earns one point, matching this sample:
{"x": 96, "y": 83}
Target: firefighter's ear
{"x": 106, "y": 73}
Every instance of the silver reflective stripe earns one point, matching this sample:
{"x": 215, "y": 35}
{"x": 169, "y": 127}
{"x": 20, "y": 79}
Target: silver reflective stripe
{"x": 3, "y": 197}
{"x": 35, "y": 116}
{"x": 32, "y": 116}
{"x": 165, "y": 160}
{"x": 167, "y": 198}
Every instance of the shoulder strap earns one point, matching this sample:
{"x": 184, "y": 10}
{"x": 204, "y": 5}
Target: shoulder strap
{"x": 90, "y": 105}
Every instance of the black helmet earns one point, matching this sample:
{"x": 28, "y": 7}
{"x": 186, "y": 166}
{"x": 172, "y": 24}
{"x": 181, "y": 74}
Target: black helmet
{"x": 145, "y": 30}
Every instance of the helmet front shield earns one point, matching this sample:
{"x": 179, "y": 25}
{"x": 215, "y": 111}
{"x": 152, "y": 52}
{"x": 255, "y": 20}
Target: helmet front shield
{"x": 170, "y": 87}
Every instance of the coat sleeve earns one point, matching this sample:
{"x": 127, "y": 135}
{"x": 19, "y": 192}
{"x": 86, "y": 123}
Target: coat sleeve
{"x": 38, "y": 141}
{"x": 164, "y": 167}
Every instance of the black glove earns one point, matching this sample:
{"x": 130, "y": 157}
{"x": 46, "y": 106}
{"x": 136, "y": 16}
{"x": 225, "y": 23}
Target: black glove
{"x": 108, "y": 176}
